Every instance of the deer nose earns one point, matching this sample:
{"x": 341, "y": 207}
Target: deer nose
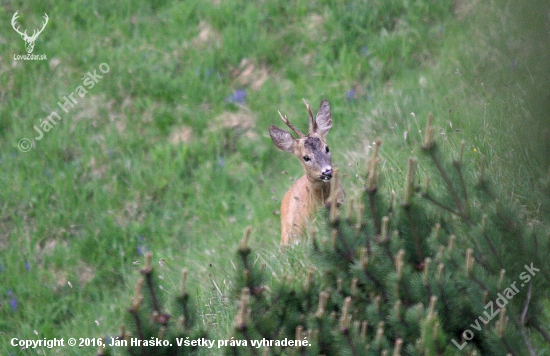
{"x": 327, "y": 172}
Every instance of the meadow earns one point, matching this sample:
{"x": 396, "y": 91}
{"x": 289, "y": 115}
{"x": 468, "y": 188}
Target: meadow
{"x": 167, "y": 148}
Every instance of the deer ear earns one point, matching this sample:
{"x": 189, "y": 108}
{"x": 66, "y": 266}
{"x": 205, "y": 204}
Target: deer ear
{"x": 323, "y": 120}
{"x": 282, "y": 139}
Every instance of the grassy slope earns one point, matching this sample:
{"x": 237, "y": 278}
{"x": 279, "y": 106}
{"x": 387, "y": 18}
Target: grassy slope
{"x": 109, "y": 181}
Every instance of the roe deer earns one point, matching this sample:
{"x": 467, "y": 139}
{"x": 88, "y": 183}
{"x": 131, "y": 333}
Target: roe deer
{"x": 314, "y": 187}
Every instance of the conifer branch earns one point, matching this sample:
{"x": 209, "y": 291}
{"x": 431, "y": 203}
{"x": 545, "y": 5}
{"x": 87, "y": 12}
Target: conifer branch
{"x": 397, "y": 347}
{"x": 526, "y": 306}
{"x": 363, "y": 259}
{"x": 528, "y": 345}
{"x": 450, "y": 186}
{"x": 249, "y": 342}
{"x": 148, "y": 273}
{"x": 139, "y": 329}
{"x": 344, "y": 319}
{"x": 429, "y": 145}
{"x": 493, "y": 249}
{"x": 372, "y": 176}
{"x": 348, "y": 253}
{"x": 384, "y": 231}
{"x": 351, "y": 344}
{"x": 372, "y": 188}
{"x": 386, "y": 244}
{"x": 406, "y": 293}
{"x": 244, "y": 241}
{"x": 473, "y": 278}
{"x": 458, "y": 166}
{"x": 439, "y": 204}
{"x": 372, "y": 205}
{"x": 427, "y": 285}
{"x": 480, "y": 259}
{"x": 431, "y": 308}
{"x": 409, "y": 180}
{"x": 350, "y": 210}
{"x": 379, "y": 334}
{"x": 522, "y": 323}
{"x": 429, "y": 142}
{"x": 543, "y": 332}
{"x": 323, "y": 298}
{"x": 363, "y": 332}
{"x": 470, "y": 261}
{"x": 385, "y": 238}
{"x": 414, "y": 231}
{"x": 509, "y": 349}
{"x": 445, "y": 303}
{"x": 377, "y": 283}
{"x": 398, "y": 304}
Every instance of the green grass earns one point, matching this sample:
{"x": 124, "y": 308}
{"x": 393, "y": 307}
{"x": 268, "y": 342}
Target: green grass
{"x": 110, "y": 180}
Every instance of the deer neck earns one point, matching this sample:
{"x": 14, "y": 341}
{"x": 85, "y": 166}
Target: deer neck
{"x": 319, "y": 190}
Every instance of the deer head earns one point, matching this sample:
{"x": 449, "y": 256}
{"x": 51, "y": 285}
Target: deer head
{"x": 310, "y": 149}
{"x": 29, "y": 40}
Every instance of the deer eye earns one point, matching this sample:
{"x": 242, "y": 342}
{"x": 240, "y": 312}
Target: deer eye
{"x": 306, "y": 158}
{"x": 327, "y": 150}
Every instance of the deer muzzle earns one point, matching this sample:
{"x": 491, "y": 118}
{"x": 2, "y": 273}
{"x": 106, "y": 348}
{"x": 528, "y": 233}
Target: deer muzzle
{"x": 326, "y": 173}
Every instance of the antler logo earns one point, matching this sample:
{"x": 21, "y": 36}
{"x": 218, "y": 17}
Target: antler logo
{"x": 29, "y": 40}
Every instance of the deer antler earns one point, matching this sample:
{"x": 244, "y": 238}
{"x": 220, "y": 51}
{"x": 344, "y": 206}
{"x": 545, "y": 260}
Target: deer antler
{"x": 14, "y": 23}
{"x": 285, "y": 120}
{"x": 311, "y": 121}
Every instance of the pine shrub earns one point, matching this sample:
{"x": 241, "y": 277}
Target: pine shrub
{"x": 446, "y": 269}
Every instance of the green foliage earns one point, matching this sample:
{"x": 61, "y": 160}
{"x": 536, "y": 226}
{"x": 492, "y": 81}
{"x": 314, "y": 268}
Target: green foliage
{"x": 156, "y": 329}
{"x": 379, "y": 293}
{"x": 449, "y": 267}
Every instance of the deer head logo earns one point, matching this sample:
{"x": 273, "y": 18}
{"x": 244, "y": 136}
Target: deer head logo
{"x": 29, "y": 40}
